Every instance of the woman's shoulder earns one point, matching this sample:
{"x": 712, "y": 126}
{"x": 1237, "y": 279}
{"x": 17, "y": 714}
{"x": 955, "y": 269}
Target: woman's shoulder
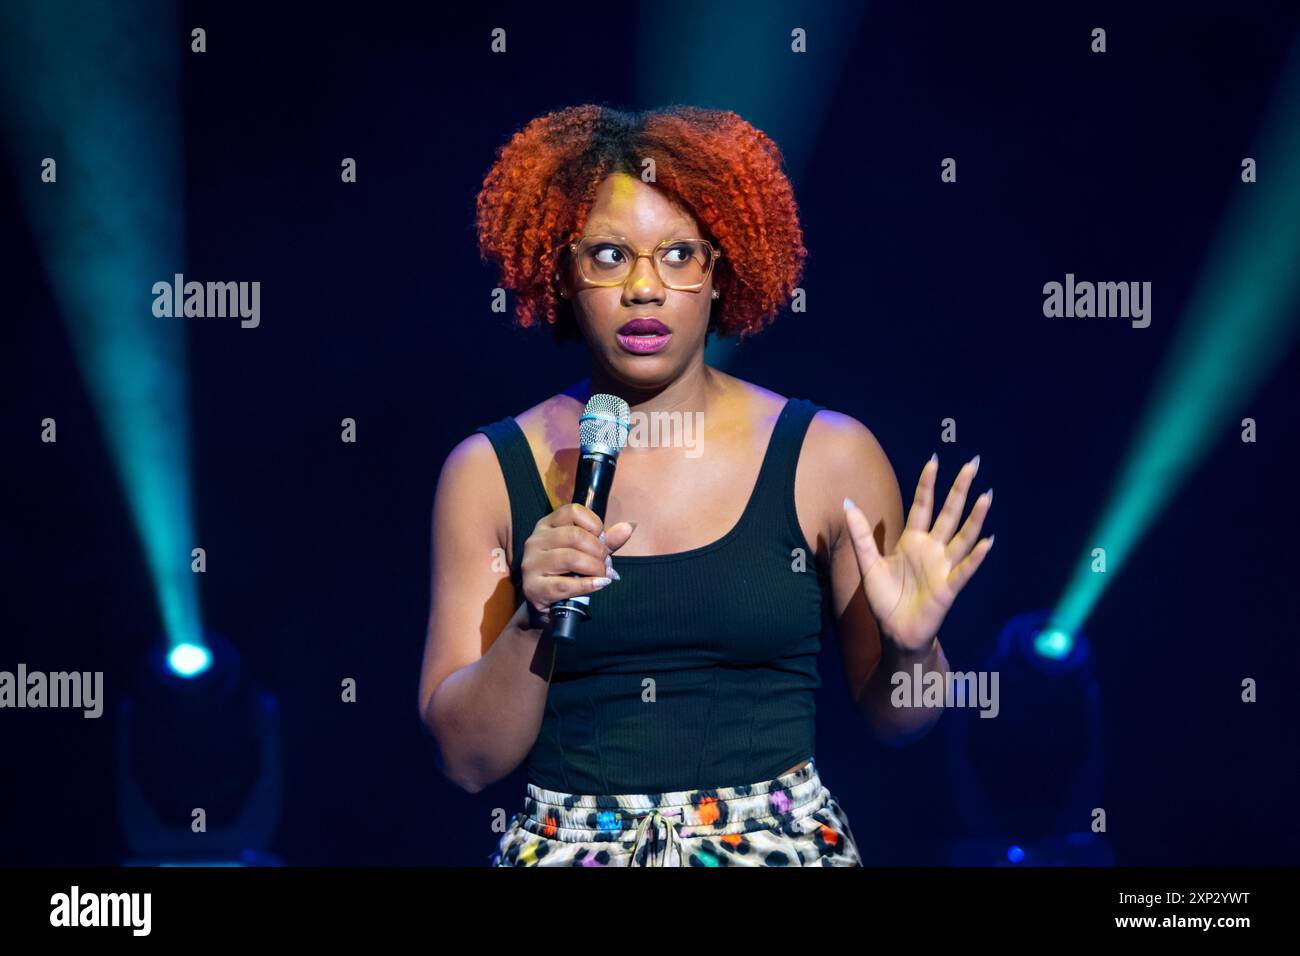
{"x": 548, "y": 408}
{"x": 473, "y": 472}
{"x": 830, "y": 432}
{"x": 474, "y": 453}
{"x": 839, "y": 453}
{"x": 551, "y": 423}
{"x": 748, "y": 402}
{"x": 840, "y": 443}
{"x": 836, "y": 444}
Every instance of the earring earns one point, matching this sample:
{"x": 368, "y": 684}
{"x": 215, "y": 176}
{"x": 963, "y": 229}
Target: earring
{"x": 715, "y": 293}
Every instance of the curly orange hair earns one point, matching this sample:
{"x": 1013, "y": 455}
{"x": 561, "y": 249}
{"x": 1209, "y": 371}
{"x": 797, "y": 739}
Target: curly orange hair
{"x": 537, "y": 195}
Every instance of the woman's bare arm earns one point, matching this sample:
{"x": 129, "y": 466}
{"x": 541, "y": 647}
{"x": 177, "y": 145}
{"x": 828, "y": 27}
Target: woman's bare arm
{"x": 485, "y": 675}
{"x": 847, "y": 461}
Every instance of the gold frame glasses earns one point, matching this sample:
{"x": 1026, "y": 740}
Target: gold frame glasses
{"x": 584, "y": 241}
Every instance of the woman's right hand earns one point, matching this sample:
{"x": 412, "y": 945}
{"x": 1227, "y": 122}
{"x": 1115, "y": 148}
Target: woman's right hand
{"x": 564, "y": 541}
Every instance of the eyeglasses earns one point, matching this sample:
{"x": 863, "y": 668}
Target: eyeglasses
{"x": 681, "y": 264}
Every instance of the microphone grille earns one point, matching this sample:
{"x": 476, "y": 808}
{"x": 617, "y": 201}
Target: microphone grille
{"x": 604, "y": 425}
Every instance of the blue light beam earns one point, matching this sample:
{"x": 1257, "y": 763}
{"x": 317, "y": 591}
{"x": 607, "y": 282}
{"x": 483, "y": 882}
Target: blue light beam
{"x": 95, "y": 87}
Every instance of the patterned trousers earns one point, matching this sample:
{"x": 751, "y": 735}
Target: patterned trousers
{"x": 790, "y": 820}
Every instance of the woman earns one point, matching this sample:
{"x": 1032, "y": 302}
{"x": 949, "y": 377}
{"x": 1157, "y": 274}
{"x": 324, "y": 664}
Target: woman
{"x": 678, "y": 728}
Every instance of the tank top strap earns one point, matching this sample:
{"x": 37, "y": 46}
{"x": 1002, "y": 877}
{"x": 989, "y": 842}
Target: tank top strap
{"x": 774, "y": 495}
{"x": 528, "y": 501}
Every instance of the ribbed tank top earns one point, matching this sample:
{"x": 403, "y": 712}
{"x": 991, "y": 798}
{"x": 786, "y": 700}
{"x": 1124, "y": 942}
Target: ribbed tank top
{"x": 697, "y": 669}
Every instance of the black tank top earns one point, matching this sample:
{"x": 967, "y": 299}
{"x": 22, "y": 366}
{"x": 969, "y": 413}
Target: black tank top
{"x": 697, "y": 669}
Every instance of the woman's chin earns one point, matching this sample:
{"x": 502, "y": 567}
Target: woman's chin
{"x": 643, "y": 371}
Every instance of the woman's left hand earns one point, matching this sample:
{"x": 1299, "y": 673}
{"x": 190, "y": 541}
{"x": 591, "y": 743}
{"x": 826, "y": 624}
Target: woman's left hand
{"x": 911, "y": 589}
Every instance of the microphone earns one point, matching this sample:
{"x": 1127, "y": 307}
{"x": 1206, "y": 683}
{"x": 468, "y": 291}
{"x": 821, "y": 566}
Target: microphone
{"x": 602, "y": 433}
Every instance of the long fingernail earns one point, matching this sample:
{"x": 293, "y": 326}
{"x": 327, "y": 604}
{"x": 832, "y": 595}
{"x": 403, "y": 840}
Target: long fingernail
{"x": 976, "y": 462}
{"x": 934, "y": 457}
{"x": 848, "y": 503}
{"x": 990, "y": 494}
{"x": 601, "y": 582}
{"x": 609, "y": 568}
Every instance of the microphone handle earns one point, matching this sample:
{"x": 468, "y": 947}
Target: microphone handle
{"x": 591, "y": 489}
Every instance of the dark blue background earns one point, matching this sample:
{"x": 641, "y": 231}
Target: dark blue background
{"x": 924, "y": 303}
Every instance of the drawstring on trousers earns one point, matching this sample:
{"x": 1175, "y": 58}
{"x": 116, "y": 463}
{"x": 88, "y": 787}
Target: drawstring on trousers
{"x": 671, "y": 836}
